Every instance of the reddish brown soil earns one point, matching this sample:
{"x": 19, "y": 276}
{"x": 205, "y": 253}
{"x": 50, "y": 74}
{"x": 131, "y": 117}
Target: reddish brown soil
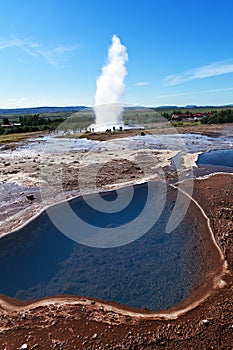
{"x": 88, "y": 325}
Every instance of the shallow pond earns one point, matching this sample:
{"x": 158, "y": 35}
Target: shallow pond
{"x": 155, "y": 271}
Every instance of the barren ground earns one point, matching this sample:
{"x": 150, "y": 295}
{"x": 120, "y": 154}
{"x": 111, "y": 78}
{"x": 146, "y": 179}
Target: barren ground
{"x": 210, "y": 130}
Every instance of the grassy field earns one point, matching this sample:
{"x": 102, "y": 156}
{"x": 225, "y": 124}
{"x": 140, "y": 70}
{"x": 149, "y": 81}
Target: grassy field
{"x": 185, "y": 123}
{"x": 18, "y": 137}
{"x": 86, "y": 113}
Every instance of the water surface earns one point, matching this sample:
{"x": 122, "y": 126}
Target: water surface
{"x": 218, "y": 157}
{"x": 156, "y": 271}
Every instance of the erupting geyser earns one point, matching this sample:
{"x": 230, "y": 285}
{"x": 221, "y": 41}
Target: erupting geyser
{"x": 110, "y": 88}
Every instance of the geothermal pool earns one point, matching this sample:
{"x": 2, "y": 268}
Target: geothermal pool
{"x": 155, "y": 271}
{"x": 220, "y": 158}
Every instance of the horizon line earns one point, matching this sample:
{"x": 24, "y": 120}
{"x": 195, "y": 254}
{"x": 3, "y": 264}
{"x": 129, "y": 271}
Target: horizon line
{"x": 125, "y": 106}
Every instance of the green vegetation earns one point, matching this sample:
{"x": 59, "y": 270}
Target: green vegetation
{"x": 6, "y": 121}
{"x": 79, "y": 122}
{"x": 137, "y": 116}
{"x": 28, "y": 123}
{"x": 219, "y": 117}
{"x": 17, "y": 137}
{"x": 146, "y": 116}
{"x": 185, "y": 123}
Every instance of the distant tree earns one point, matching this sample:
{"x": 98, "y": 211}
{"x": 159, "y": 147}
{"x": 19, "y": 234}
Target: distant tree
{"x": 166, "y": 115}
{"x": 6, "y": 121}
{"x": 178, "y": 111}
{"x": 223, "y": 116}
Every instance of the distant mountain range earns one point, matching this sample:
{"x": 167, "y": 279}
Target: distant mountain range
{"x": 41, "y": 110}
{"x": 193, "y": 106}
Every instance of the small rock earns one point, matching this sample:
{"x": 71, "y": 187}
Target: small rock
{"x": 95, "y": 336}
{"x": 30, "y": 197}
{"x": 24, "y": 347}
{"x": 206, "y": 322}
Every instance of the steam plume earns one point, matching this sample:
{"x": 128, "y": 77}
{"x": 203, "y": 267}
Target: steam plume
{"x": 110, "y": 86}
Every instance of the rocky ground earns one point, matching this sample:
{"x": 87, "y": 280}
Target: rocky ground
{"x": 32, "y": 181}
{"x": 80, "y": 323}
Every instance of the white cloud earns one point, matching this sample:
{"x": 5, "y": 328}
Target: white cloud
{"x": 11, "y": 43}
{"x": 142, "y": 83}
{"x": 18, "y": 100}
{"x": 211, "y": 70}
{"x": 63, "y": 49}
{"x": 35, "y": 49}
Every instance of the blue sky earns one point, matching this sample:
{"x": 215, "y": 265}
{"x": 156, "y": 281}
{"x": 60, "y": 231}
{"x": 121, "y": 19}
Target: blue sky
{"x": 52, "y": 51}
